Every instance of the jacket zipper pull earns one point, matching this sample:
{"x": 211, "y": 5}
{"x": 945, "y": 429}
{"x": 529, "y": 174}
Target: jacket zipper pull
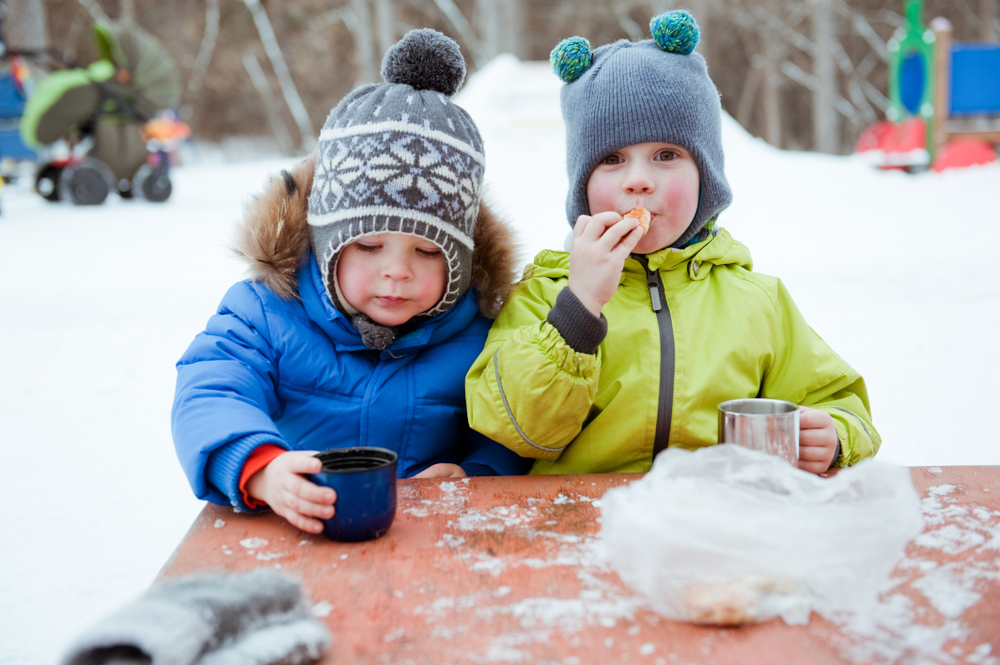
{"x": 654, "y": 292}
{"x": 654, "y": 297}
{"x": 653, "y": 282}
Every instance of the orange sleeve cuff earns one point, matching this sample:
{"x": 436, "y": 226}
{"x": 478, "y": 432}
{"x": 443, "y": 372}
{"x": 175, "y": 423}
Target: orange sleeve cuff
{"x": 257, "y": 460}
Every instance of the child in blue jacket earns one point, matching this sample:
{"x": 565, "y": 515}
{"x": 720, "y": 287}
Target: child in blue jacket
{"x": 374, "y": 267}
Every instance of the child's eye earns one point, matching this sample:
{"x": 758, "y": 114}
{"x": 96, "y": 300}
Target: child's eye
{"x": 366, "y": 248}
{"x": 429, "y": 252}
{"x": 666, "y": 155}
{"x": 612, "y": 159}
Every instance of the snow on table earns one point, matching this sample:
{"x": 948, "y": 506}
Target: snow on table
{"x": 509, "y": 570}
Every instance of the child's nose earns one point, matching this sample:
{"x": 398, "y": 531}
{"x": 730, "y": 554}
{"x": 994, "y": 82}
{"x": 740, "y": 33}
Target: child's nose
{"x": 397, "y": 268}
{"x": 638, "y": 180}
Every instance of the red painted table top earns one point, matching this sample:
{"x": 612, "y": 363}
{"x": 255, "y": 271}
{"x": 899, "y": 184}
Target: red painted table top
{"x": 505, "y": 570}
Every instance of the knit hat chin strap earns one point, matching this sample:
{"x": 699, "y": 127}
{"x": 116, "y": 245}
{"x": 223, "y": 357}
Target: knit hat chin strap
{"x": 374, "y": 335}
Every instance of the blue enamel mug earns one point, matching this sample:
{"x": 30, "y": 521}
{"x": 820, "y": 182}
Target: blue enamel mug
{"x": 364, "y": 478}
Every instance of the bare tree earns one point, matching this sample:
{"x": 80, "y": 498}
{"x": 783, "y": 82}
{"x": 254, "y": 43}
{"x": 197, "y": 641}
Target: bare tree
{"x": 702, "y": 11}
{"x": 270, "y": 103}
{"x": 205, "y": 51}
{"x": 499, "y": 24}
{"x": 827, "y": 135}
{"x": 385, "y": 24}
{"x": 512, "y": 16}
{"x": 803, "y": 74}
{"x": 24, "y": 27}
{"x": 489, "y": 26}
{"x": 989, "y": 20}
{"x": 94, "y": 10}
{"x": 358, "y": 18}
{"x": 295, "y": 105}
{"x": 456, "y": 19}
{"x": 126, "y": 11}
{"x": 775, "y": 53}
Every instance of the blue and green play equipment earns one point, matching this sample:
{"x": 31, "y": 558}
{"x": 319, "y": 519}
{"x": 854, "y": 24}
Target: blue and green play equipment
{"x": 944, "y": 99}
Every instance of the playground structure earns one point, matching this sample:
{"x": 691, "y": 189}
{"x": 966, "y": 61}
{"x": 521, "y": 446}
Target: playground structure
{"x": 110, "y": 114}
{"x": 944, "y": 100}
{"x": 13, "y": 78}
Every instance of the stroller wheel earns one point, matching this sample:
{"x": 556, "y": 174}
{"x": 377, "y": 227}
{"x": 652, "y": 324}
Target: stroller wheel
{"x": 86, "y": 183}
{"x": 124, "y": 188}
{"x": 47, "y": 182}
{"x": 152, "y": 183}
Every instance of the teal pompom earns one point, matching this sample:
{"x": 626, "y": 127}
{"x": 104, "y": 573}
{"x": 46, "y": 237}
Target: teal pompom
{"x": 570, "y": 58}
{"x": 675, "y": 32}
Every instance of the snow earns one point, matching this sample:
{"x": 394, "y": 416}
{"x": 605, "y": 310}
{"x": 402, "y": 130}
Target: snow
{"x": 893, "y": 270}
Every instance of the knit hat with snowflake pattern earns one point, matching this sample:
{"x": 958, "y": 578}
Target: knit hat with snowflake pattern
{"x": 400, "y": 157}
{"x": 652, "y": 91}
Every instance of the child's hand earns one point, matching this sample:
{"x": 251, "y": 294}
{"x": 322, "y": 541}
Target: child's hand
{"x": 442, "y": 471}
{"x": 280, "y": 485}
{"x": 817, "y": 440}
{"x": 600, "y": 246}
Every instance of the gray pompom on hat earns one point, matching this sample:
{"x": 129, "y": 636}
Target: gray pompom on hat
{"x": 653, "y": 91}
{"x": 400, "y": 157}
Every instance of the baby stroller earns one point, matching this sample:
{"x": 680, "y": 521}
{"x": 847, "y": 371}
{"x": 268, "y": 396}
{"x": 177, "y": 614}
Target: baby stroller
{"x": 101, "y": 111}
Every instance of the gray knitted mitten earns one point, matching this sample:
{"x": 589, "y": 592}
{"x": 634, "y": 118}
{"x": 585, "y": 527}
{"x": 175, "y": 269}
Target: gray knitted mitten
{"x": 262, "y": 618}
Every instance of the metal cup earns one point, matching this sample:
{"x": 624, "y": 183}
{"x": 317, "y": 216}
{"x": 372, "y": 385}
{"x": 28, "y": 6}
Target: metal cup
{"x": 770, "y": 425}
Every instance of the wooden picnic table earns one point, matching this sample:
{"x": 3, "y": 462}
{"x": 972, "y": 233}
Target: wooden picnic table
{"x": 505, "y": 570}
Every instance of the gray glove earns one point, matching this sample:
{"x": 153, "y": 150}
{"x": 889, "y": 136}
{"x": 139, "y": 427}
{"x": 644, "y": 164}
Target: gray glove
{"x": 262, "y": 618}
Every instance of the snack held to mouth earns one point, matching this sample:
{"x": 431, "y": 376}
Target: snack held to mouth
{"x": 642, "y": 215}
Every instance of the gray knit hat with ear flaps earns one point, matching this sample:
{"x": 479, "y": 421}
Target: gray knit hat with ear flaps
{"x": 400, "y": 157}
{"x": 653, "y": 91}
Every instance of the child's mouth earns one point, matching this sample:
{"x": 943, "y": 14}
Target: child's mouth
{"x": 390, "y": 301}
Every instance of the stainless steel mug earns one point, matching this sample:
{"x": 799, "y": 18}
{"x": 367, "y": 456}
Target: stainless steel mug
{"x": 770, "y": 425}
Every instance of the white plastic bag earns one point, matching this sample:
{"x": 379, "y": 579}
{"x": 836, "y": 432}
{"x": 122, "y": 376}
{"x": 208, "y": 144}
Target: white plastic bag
{"x": 727, "y": 535}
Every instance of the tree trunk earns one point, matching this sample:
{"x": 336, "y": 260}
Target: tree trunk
{"x": 205, "y": 51}
{"x": 385, "y": 25}
{"x": 463, "y": 29}
{"x": 701, "y": 9}
{"x": 270, "y": 103}
{"x": 512, "y": 14}
{"x": 307, "y": 139}
{"x": 364, "y": 42}
{"x": 989, "y": 13}
{"x": 771, "y": 99}
{"x": 825, "y": 70}
{"x": 94, "y": 10}
{"x": 24, "y": 26}
{"x": 126, "y": 11}
{"x": 773, "y": 53}
{"x": 488, "y": 22}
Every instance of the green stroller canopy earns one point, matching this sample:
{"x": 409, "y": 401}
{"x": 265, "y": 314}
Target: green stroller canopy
{"x": 135, "y": 77}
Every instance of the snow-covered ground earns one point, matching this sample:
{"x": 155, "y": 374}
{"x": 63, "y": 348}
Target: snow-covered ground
{"x": 895, "y": 271}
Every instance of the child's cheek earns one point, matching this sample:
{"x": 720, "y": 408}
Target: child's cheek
{"x": 682, "y": 201}
{"x": 600, "y": 195}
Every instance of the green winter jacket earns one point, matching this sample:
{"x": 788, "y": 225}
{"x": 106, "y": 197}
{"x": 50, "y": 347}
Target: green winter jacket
{"x": 721, "y": 332}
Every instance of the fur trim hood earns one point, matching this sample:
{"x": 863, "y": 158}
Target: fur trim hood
{"x": 273, "y": 237}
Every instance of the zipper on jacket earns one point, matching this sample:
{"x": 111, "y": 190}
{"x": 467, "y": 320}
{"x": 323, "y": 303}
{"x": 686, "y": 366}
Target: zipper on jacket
{"x": 664, "y": 409}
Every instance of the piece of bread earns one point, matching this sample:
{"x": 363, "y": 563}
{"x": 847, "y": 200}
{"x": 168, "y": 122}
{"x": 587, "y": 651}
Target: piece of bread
{"x": 731, "y": 602}
{"x": 642, "y": 215}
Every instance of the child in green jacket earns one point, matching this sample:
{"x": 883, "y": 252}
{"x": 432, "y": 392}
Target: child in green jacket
{"x": 606, "y": 355}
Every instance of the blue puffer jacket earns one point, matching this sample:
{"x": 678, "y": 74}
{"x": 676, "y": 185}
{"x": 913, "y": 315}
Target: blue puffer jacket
{"x": 293, "y": 371}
